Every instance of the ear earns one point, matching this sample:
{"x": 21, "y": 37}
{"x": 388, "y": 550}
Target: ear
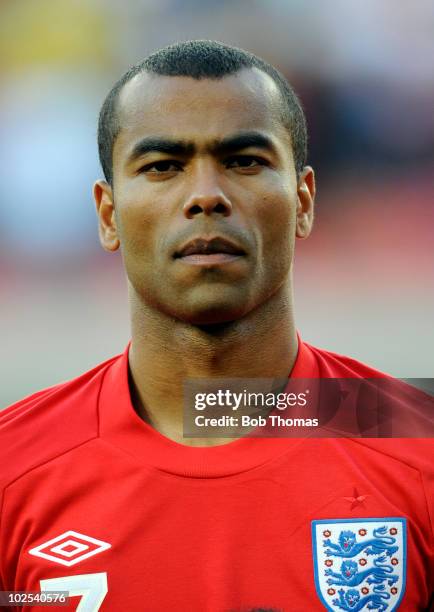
{"x": 108, "y": 235}
{"x": 305, "y": 202}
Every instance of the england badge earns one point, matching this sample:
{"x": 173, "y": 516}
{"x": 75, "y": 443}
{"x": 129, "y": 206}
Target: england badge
{"x": 360, "y": 564}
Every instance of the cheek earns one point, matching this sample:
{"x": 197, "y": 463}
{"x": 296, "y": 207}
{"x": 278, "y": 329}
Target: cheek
{"x": 137, "y": 226}
{"x": 138, "y": 229}
{"x": 277, "y": 223}
{"x": 277, "y": 220}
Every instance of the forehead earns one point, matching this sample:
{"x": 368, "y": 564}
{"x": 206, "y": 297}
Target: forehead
{"x": 198, "y": 110}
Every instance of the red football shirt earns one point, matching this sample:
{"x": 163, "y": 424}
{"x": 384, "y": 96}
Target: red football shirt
{"x": 98, "y": 503}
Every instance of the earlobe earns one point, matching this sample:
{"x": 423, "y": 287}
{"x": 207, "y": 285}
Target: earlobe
{"x": 108, "y": 234}
{"x": 305, "y": 202}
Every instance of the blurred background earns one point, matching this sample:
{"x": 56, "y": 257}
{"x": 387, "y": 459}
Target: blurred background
{"x": 364, "y": 71}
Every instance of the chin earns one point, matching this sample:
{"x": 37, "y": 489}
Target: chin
{"x": 213, "y": 319}
{"x": 213, "y": 315}
{"x": 213, "y": 304}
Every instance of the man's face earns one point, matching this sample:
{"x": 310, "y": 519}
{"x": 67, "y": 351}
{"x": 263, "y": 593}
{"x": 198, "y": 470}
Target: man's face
{"x": 205, "y": 202}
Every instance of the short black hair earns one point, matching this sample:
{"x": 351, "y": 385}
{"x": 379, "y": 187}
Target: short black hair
{"x": 201, "y": 59}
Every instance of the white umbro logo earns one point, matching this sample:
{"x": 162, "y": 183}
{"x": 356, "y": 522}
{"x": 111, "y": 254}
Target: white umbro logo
{"x": 69, "y": 548}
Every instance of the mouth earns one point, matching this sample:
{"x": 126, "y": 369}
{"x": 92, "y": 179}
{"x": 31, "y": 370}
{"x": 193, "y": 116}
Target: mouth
{"x": 202, "y": 251}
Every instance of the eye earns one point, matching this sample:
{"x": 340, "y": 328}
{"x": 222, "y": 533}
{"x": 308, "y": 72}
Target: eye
{"x": 247, "y": 162}
{"x": 162, "y": 166}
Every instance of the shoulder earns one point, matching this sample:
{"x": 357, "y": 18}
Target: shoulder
{"x": 406, "y": 408}
{"x": 334, "y": 365}
{"x": 48, "y": 423}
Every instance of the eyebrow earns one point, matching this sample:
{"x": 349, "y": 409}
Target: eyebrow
{"x": 160, "y": 145}
{"x": 230, "y": 144}
{"x": 244, "y": 140}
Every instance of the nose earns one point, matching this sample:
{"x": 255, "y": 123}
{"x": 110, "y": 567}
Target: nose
{"x": 206, "y": 195}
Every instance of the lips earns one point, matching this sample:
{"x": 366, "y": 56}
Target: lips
{"x": 202, "y": 246}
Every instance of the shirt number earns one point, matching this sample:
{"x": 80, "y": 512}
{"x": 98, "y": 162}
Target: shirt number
{"x": 92, "y": 588}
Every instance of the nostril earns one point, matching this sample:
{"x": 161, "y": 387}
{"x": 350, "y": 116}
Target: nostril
{"x": 207, "y": 205}
{"x": 220, "y": 208}
{"x": 194, "y": 210}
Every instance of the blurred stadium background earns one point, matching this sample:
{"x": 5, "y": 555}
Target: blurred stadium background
{"x": 364, "y": 71}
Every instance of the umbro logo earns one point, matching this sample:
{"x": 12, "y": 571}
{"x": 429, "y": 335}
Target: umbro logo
{"x": 69, "y": 548}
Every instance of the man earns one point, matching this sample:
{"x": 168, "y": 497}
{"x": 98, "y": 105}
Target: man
{"x": 203, "y": 147}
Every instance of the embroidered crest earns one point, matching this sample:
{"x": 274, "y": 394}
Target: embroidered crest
{"x": 71, "y": 548}
{"x": 360, "y": 564}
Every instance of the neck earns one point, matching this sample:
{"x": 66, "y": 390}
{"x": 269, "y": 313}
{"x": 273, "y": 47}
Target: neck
{"x": 166, "y": 351}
